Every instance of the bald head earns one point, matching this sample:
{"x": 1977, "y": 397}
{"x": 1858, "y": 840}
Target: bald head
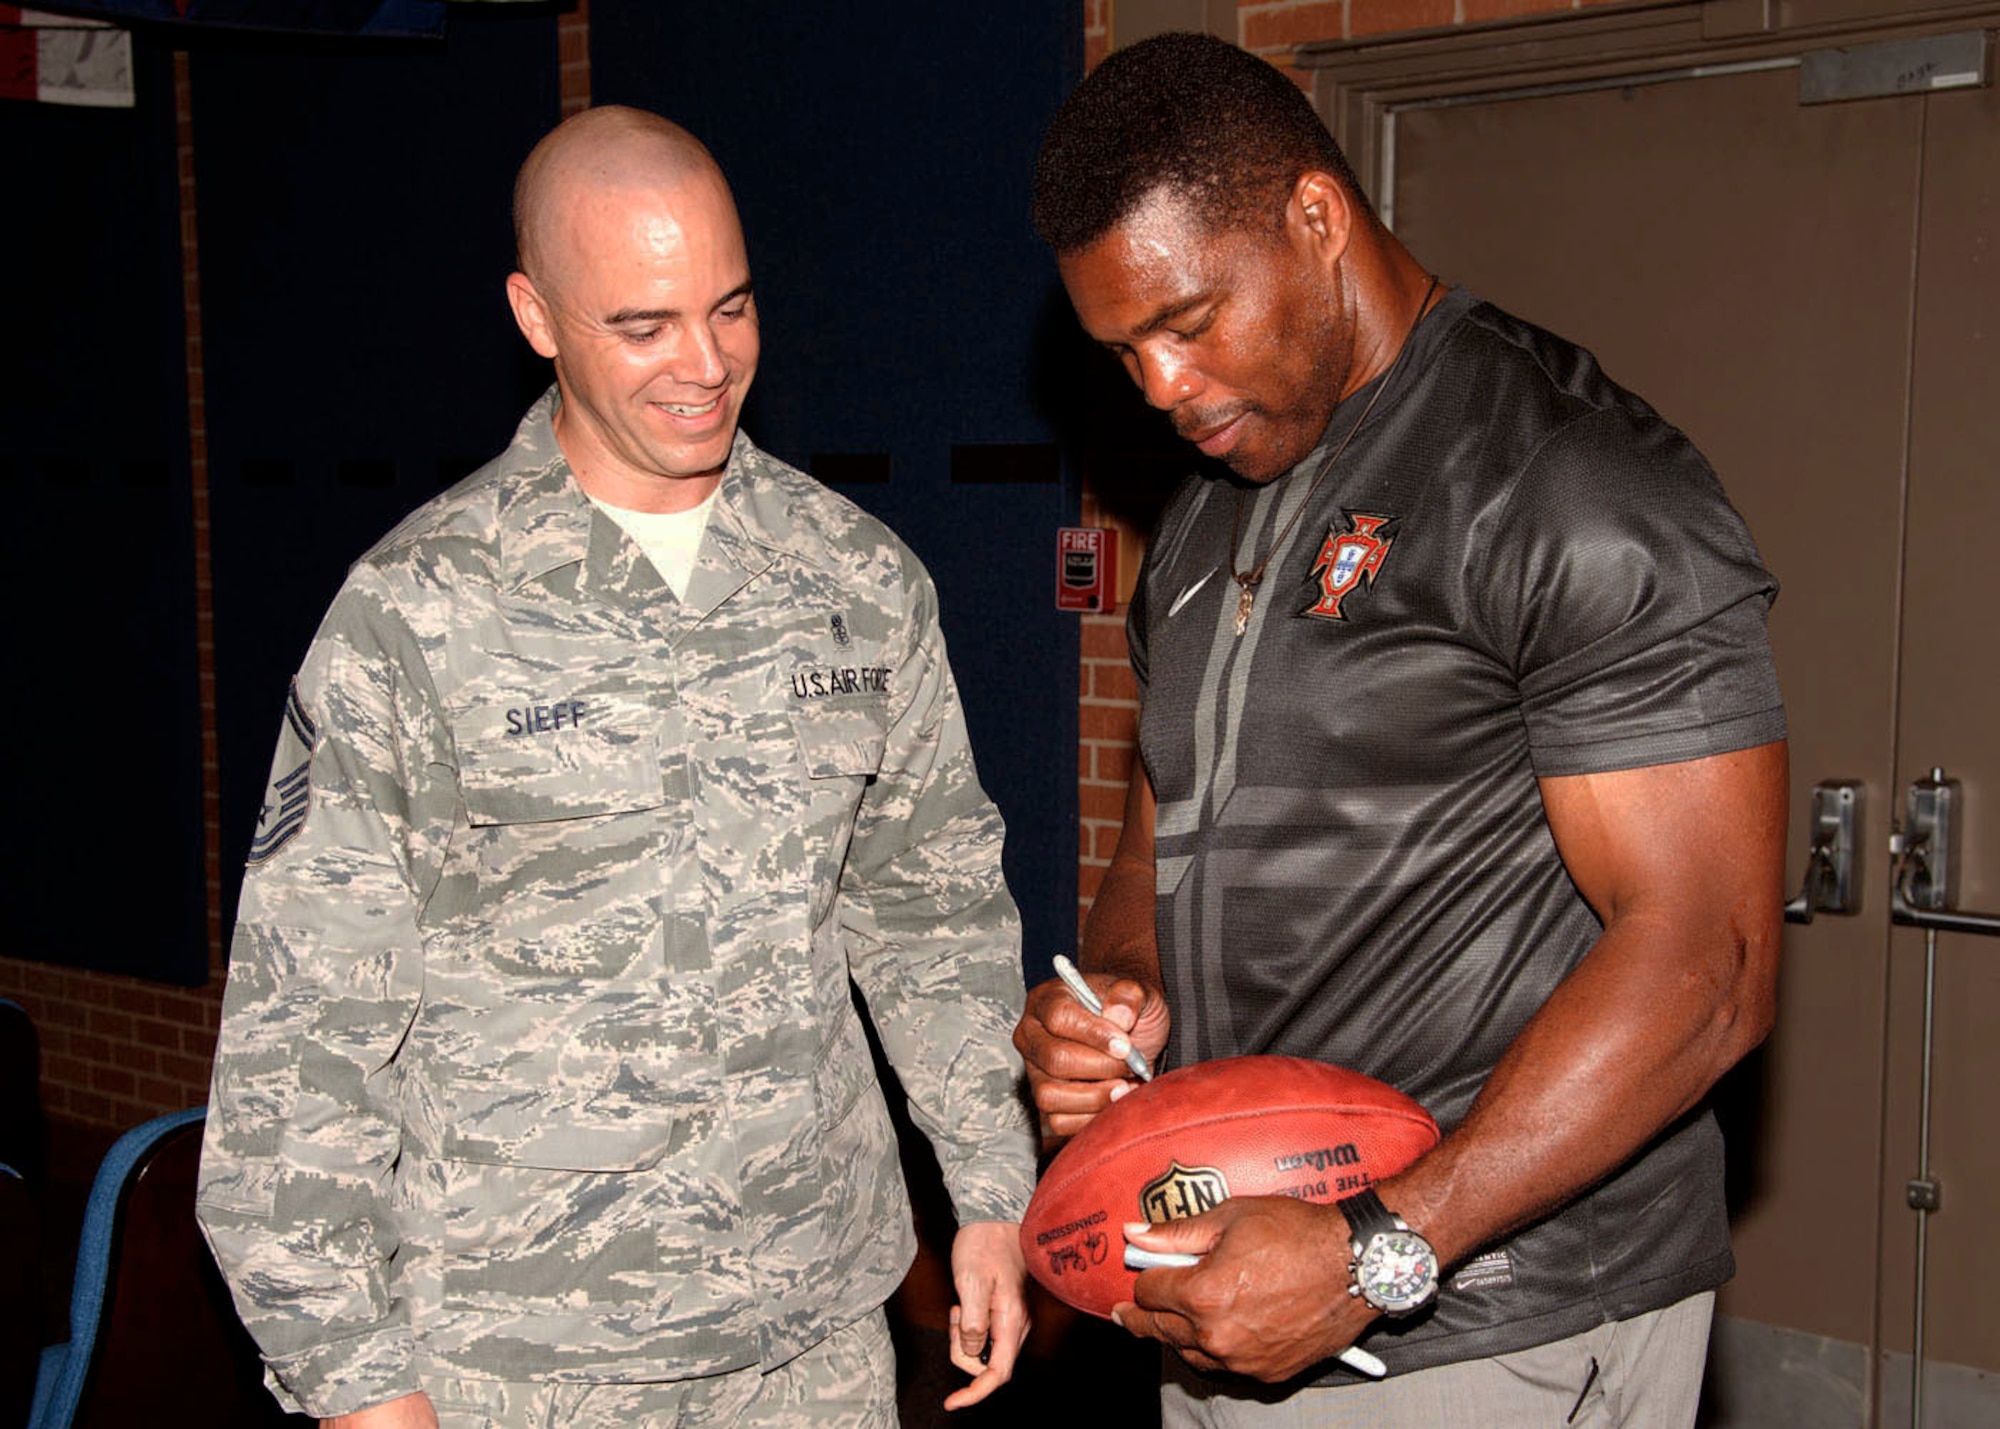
{"x": 635, "y": 282}
{"x": 603, "y": 150}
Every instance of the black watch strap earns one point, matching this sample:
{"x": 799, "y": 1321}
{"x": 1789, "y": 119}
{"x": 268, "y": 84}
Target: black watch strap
{"x": 1366, "y": 1216}
{"x": 1394, "y": 1267}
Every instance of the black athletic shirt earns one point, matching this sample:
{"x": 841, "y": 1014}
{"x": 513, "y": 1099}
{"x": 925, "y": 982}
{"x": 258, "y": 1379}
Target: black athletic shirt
{"x": 1516, "y": 569}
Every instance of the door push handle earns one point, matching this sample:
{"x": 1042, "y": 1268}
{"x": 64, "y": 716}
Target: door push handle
{"x": 1833, "y": 853}
{"x": 1924, "y": 881}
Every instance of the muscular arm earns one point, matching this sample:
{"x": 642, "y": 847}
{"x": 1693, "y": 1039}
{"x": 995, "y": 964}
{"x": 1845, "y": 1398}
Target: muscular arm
{"x": 1076, "y": 1064}
{"x": 1683, "y": 863}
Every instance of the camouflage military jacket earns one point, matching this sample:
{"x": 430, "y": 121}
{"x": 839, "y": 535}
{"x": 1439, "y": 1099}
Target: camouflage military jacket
{"x": 538, "y": 1056}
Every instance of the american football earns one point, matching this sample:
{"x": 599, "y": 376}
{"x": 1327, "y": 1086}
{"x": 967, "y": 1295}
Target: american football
{"x": 1182, "y": 1143}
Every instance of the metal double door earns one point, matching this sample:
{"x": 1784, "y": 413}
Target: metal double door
{"x": 1812, "y": 291}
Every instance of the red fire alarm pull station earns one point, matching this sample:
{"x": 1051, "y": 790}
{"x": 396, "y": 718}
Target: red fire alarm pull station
{"x": 1087, "y": 568}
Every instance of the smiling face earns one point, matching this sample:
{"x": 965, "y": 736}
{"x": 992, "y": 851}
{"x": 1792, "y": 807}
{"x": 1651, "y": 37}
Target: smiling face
{"x": 641, "y": 294}
{"x": 1238, "y": 335}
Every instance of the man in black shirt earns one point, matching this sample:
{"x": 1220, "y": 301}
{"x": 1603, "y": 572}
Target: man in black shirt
{"x": 1462, "y": 765}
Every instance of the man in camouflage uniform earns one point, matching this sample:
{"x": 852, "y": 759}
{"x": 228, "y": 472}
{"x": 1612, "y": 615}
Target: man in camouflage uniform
{"x": 540, "y": 1095}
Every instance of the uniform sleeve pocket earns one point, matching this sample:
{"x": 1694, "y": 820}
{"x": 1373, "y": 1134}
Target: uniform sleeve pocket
{"x": 564, "y": 774}
{"x": 842, "y": 740}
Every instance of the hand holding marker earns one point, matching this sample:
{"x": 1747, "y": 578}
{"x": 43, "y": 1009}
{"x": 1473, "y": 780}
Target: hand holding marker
{"x": 1085, "y": 994}
{"x": 1353, "y": 1356}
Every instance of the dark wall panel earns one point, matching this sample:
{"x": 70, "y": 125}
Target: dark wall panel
{"x": 881, "y": 156}
{"x": 101, "y": 768}
{"x": 355, "y": 241}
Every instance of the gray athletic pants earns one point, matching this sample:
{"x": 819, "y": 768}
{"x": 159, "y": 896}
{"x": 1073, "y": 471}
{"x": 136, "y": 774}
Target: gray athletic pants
{"x": 1641, "y": 1373}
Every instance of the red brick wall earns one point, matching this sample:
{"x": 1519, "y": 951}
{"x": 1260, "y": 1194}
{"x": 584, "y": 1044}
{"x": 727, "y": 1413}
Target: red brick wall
{"x": 1273, "y": 27}
{"x": 1109, "y": 704}
{"x": 1109, "y": 709}
{"x": 115, "y": 1050}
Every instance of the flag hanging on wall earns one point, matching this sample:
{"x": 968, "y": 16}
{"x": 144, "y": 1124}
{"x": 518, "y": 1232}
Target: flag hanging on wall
{"x": 60, "y": 59}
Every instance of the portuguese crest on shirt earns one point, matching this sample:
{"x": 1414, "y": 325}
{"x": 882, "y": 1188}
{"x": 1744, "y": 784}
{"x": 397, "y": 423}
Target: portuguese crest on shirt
{"x": 1347, "y": 559}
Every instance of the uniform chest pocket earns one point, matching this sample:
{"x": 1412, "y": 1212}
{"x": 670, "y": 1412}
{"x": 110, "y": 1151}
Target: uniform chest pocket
{"x": 576, "y": 773}
{"x": 842, "y": 740}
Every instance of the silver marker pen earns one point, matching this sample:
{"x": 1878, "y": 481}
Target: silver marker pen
{"x": 1073, "y": 980}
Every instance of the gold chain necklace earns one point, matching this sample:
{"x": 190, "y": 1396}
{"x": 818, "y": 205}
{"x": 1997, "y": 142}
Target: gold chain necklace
{"x": 1248, "y": 581}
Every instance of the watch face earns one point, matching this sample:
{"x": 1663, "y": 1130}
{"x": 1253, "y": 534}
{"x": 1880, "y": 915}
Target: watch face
{"x": 1397, "y": 1271}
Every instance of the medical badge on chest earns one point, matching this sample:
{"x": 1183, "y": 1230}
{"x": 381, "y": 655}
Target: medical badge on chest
{"x": 1347, "y": 559}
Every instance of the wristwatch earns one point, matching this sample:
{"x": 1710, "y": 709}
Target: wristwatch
{"x": 1394, "y": 1269}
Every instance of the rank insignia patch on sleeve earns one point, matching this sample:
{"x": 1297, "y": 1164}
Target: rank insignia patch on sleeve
{"x": 287, "y": 797}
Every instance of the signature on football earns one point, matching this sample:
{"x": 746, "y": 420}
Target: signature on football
{"x": 1092, "y": 1250}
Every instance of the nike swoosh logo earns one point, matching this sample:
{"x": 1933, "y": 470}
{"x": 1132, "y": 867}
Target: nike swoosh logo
{"x": 1185, "y": 596}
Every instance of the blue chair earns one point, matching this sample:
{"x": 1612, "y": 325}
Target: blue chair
{"x": 150, "y": 1320}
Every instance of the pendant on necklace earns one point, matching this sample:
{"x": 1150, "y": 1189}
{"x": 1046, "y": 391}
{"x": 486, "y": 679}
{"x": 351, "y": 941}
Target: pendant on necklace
{"x": 1243, "y": 603}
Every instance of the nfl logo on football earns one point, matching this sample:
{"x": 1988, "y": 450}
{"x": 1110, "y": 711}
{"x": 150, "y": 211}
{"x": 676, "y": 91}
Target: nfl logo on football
{"x": 1181, "y": 1192}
